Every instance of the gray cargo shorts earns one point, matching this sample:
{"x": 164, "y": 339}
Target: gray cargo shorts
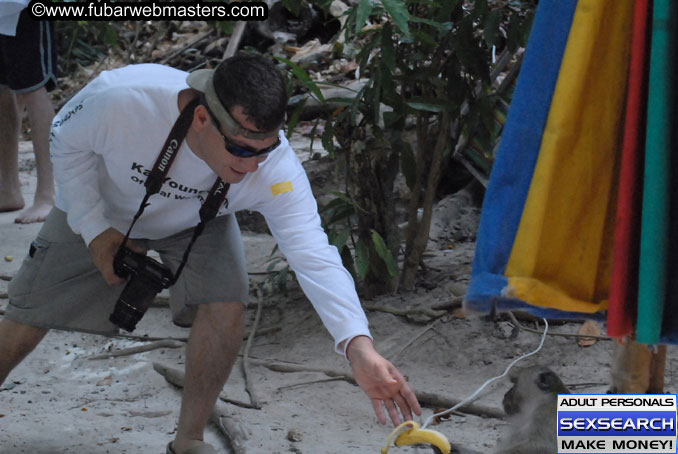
{"x": 59, "y": 287}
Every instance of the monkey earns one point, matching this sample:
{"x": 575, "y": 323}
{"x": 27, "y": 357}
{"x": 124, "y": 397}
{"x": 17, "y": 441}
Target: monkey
{"x": 532, "y": 410}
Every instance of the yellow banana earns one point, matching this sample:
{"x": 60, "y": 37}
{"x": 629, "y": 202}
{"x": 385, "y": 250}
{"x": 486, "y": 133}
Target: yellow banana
{"x": 409, "y": 433}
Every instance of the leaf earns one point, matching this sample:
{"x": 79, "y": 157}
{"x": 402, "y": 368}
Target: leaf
{"x": 293, "y": 6}
{"x": 226, "y": 26}
{"x": 347, "y": 260}
{"x": 356, "y": 104}
{"x": 362, "y": 258}
{"x": 281, "y": 279}
{"x": 430, "y": 105}
{"x": 294, "y": 118}
{"x": 397, "y": 9}
{"x": 111, "y": 36}
{"x": 327, "y": 139}
{"x": 340, "y": 101}
{"x": 447, "y": 9}
{"x": 392, "y": 118}
{"x": 491, "y": 28}
{"x": 303, "y": 76}
{"x": 388, "y": 54}
{"x": 375, "y": 99}
{"x": 384, "y": 253}
{"x": 589, "y": 327}
{"x": 408, "y": 165}
{"x": 363, "y": 12}
{"x": 344, "y": 197}
{"x": 443, "y": 27}
{"x": 514, "y": 33}
{"x": 340, "y": 240}
{"x": 424, "y": 37}
{"x": 364, "y": 55}
{"x": 333, "y": 204}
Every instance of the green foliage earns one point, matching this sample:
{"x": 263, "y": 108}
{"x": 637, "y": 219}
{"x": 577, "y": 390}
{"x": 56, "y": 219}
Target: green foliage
{"x": 277, "y": 277}
{"x": 384, "y": 253}
{"x": 337, "y": 219}
{"x": 83, "y": 42}
{"x": 428, "y": 63}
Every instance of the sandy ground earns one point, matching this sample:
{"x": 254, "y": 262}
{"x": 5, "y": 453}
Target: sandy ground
{"x": 59, "y": 401}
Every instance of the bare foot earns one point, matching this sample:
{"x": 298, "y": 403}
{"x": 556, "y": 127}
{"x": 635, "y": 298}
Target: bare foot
{"x": 37, "y": 213}
{"x": 11, "y": 201}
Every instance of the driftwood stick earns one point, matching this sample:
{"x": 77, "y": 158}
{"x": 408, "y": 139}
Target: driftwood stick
{"x": 172, "y": 375}
{"x": 436, "y": 401}
{"x": 234, "y": 40}
{"x": 260, "y": 332}
{"x": 187, "y": 45}
{"x": 139, "y": 338}
{"x": 165, "y": 343}
{"x": 306, "y": 383}
{"x": 577, "y": 336}
{"x": 234, "y": 432}
{"x": 414, "y": 339}
{"x": 289, "y": 368}
{"x": 585, "y": 385}
{"x": 176, "y": 377}
{"x": 404, "y": 311}
{"x": 249, "y": 386}
{"x": 425, "y": 398}
{"x": 453, "y": 303}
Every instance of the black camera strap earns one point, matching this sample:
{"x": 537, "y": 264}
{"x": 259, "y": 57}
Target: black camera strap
{"x": 208, "y": 211}
{"x": 156, "y": 177}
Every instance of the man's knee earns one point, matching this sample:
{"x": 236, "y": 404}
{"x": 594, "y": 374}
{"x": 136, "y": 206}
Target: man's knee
{"x": 221, "y": 312}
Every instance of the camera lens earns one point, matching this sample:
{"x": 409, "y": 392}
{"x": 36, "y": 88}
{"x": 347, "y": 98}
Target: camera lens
{"x": 133, "y": 302}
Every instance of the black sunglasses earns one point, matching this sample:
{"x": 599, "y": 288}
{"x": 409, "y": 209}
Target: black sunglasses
{"x": 241, "y": 151}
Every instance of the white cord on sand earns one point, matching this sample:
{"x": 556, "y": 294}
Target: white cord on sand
{"x": 473, "y": 396}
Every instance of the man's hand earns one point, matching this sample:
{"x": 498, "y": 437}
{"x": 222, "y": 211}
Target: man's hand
{"x": 381, "y": 381}
{"x": 103, "y": 248}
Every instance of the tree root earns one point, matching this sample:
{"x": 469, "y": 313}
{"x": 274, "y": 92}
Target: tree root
{"x": 176, "y": 377}
{"x": 430, "y": 326}
{"x": 236, "y": 435}
{"x": 577, "y": 336}
{"x": 165, "y": 343}
{"x": 425, "y": 398}
{"x": 436, "y": 401}
{"x": 407, "y": 311}
{"x": 249, "y": 386}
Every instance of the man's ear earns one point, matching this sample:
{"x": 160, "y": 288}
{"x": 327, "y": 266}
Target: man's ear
{"x": 201, "y": 118}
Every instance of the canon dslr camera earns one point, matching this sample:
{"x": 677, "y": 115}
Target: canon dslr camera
{"x": 146, "y": 278}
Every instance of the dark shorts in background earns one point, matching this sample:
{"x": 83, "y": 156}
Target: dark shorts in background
{"x": 59, "y": 287}
{"x": 28, "y": 60}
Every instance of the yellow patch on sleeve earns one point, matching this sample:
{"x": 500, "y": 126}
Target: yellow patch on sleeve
{"x": 282, "y": 188}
